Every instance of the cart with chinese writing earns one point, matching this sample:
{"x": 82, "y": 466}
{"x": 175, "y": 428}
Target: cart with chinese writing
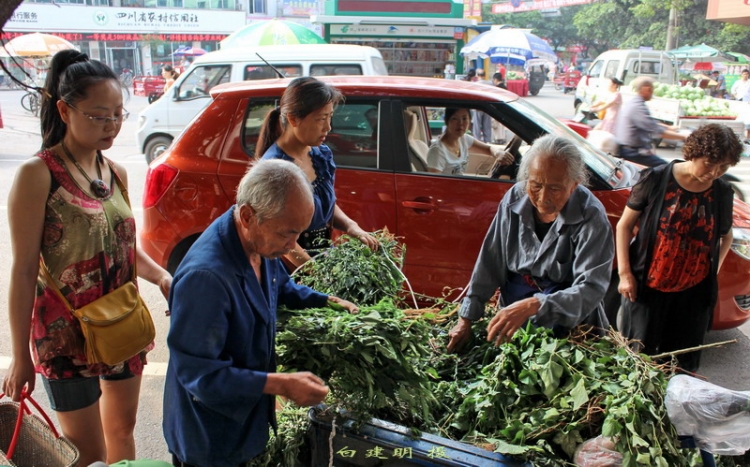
{"x": 382, "y": 443}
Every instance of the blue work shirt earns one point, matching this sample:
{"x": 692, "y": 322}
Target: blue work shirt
{"x": 635, "y": 127}
{"x": 578, "y": 250}
{"x": 221, "y": 345}
{"x": 325, "y": 175}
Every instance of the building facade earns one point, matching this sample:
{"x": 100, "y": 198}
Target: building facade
{"x": 142, "y": 35}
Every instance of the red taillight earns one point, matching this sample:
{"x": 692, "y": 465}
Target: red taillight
{"x": 158, "y": 180}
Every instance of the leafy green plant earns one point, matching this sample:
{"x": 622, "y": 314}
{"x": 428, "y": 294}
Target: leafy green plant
{"x": 370, "y": 360}
{"x": 352, "y": 271}
{"x": 287, "y": 445}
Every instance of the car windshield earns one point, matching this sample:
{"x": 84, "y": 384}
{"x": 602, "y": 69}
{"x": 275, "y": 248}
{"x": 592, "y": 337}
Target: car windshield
{"x": 604, "y": 165}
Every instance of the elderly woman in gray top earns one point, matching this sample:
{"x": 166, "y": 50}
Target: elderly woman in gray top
{"x": 549, "y": 250}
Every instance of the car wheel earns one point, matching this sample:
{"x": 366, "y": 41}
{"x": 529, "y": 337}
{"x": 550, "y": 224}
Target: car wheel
{"x": 179, "y": 252}
{"x": 156, "y": 146}
{"x": 534, "y": 92}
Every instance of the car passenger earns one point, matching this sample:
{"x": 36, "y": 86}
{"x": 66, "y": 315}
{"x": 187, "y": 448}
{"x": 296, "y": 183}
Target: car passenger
{"x": 449, "y": 154}
{"x": 549, "y": 250}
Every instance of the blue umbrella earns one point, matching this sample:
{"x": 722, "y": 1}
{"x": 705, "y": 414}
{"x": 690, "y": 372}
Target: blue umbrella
{"x": 511, "y": 46}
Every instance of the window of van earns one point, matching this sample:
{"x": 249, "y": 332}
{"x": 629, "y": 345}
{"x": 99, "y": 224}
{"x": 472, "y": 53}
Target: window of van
{"x": 201, "y": 79}
{"x": 611, "y": 70}
{"x": 645, "y": 67}
{"x": 596, "y": 68}
{"x": 328, "y": 70}
{"x": 253, "y": 72}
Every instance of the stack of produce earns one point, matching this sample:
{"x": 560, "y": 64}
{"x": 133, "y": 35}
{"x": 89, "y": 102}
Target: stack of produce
{"x": 693, "y": 101}
{"x": 537, "y": 397}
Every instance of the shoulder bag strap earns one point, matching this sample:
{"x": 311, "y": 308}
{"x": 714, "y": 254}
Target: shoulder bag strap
{"x": 124, "y": 191}
{"x": 52, "y": 284}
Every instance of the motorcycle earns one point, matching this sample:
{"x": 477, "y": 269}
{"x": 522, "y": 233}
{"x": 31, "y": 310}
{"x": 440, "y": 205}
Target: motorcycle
{"x": 567, "y": 82}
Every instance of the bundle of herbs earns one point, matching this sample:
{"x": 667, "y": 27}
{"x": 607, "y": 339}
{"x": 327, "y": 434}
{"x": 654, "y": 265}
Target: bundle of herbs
{"x": 370, "y": 360}
{"x": 352, "y": 271}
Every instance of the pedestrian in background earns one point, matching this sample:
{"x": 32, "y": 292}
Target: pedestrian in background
{"x": 170, "y": 75}
{"x": 610, "y": 105}
{"x": 481, "y": 122}
{"x": 720, "y": 90}
{"x": 741, "y": 87}
{"x": 67, "y": 206}
{"x": 683, "y": 212}
{"x": 221, "y": 382}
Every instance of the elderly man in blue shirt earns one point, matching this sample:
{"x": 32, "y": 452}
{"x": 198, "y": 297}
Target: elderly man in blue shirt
{"x": 549, "y": 250}
{"x": 635, "y": 128}
{"x": 220, "y": 388}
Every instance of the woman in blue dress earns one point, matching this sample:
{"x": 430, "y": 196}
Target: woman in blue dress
{"x": 296, "y": 131}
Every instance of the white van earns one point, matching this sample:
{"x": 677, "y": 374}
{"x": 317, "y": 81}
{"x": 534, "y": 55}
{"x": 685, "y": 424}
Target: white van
{"x": 625, "y": 65}
{"x": 165, "y": 118}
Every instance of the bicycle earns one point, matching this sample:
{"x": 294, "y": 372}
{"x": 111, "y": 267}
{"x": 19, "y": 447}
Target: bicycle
{"x": 31, "y": 102}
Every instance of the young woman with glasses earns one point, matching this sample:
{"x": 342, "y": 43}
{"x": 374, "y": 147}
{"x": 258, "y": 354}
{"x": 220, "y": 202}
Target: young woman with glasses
{"x": 67, "y": 207}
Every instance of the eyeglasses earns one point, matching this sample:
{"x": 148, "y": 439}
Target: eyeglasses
{"x": 103, "y": 120}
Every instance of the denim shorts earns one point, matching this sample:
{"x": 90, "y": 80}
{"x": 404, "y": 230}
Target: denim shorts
{"x": 67, "y": 395}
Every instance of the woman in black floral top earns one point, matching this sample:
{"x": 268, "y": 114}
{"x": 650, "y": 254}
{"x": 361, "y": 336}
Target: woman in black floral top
{"x": 668, "y": 272}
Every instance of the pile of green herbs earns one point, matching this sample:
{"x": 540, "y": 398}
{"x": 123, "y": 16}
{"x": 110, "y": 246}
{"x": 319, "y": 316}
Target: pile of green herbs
{"x": 352, "y": 271}
{"x": 537, "y": 397}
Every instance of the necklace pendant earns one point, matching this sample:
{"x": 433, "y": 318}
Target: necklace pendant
{"x": 100, "y": 188}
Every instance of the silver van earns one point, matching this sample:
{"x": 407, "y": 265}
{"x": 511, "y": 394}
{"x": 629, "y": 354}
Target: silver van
{"x": 625, "y": 65}
{"x": 165, "y": 118}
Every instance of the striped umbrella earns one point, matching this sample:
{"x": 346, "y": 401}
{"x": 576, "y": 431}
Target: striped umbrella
{"x": 271, "y": 32}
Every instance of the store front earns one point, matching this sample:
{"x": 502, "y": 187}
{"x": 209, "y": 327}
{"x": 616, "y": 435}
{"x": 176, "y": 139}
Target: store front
{"x": 140, "y": 40}
{"x": 416, "y": 38}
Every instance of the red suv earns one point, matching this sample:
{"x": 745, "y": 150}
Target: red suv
{"x": 382, "y": 179}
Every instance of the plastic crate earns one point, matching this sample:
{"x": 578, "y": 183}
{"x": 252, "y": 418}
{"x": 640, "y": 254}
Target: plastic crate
{"x": 381, "y": 443}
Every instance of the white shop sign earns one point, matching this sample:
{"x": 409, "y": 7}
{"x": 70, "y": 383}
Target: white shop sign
{"x": 74, "y": 18}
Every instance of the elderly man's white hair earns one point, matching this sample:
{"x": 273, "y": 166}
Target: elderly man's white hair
{"x": 642, "y": 81}
{"x": 267, "y": 185}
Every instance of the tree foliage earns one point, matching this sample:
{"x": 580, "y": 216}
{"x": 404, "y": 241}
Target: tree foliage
{"x": 610, "y": 24}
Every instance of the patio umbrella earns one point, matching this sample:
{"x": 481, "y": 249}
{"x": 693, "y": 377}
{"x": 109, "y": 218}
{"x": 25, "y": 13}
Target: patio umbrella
{"x": 700, "y": 53}
{"x": 511, "y": 46}
{"x": 35, "y": 45}
{"x": 271, "y": 32}
{"x": 739, "y": 58}
{"x": 185, "y": 51}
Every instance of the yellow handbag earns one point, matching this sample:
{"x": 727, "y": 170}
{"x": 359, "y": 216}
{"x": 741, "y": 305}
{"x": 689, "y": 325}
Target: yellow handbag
{"x": 116, "y": 326}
